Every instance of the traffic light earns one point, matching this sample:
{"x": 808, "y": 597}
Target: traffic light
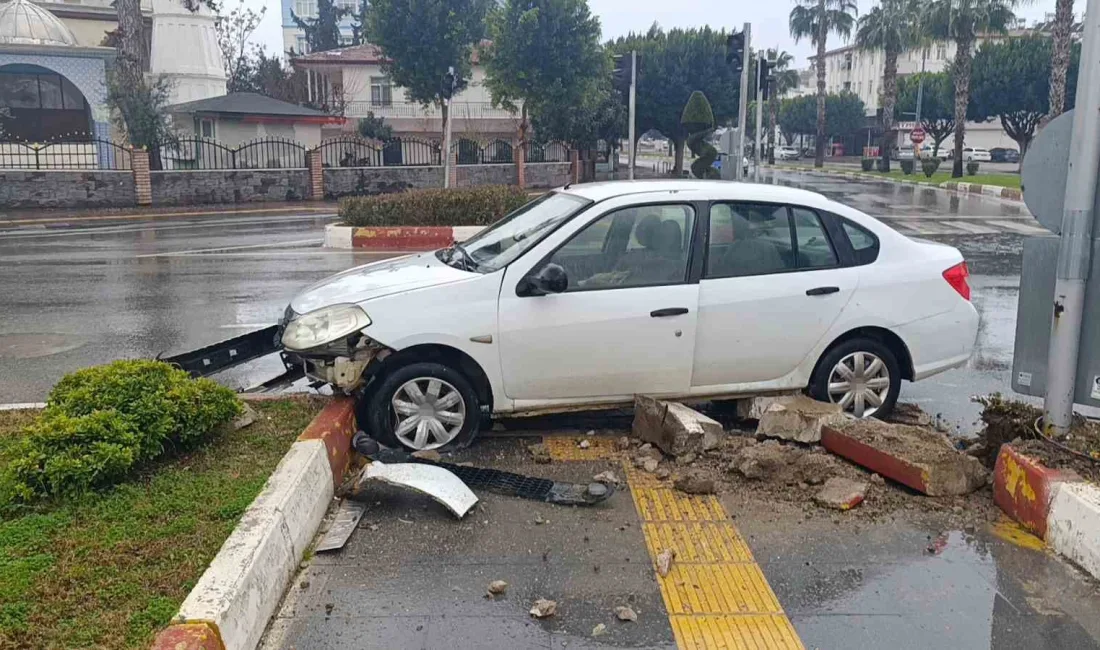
{"x": 764, "y": 77}
{"x": 620, "y": 77}
{"x": 735, "y": 51}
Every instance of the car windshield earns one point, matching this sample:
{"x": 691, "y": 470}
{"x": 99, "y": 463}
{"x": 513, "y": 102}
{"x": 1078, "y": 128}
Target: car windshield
{"x": 504, "y": 241}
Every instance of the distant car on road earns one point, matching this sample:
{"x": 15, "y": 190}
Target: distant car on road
{"x": 787, "y": 153}
{"x": 596, "y": 292}
{"x": 975, "y": 154}
{"x": 904, "y": 152}
{"x": 1004, "y": 155}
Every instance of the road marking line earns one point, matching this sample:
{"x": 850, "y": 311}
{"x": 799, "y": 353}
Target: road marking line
{"x": 1021, "y": 228}
{"x": 971, "y": 227}
{"x": 296, "y": 242}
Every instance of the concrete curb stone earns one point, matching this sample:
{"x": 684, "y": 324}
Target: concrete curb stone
{"x": 231, "y": 603}
{"x": 1057, "y": 506}
{"x": 1006, "y": 193}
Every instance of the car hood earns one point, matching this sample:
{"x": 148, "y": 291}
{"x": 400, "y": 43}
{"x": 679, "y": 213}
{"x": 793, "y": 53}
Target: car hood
{"x": 376, "y": 280}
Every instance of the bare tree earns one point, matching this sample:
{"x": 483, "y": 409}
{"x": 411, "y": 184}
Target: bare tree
{"x": 235, "y": 31}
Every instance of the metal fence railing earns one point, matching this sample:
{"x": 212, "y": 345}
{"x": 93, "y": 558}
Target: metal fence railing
{"x": 351, "y": 151}
{"x": 547, "y": 152}
{"x": 207, "y": 154}
{"x": 74, "y": 154}
{"x": 471, "y": 152}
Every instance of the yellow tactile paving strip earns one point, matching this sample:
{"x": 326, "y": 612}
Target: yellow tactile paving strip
{"x": 716, "y": 595}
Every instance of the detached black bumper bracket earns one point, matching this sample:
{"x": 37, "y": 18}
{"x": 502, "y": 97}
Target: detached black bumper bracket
{"x": 228, "y": 353}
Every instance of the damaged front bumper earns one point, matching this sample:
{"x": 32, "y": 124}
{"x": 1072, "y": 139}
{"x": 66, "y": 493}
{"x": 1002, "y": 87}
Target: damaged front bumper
{"x": 341, "y": 363}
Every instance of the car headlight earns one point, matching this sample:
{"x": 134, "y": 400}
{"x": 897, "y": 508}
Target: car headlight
{"x": 324, "y": 326}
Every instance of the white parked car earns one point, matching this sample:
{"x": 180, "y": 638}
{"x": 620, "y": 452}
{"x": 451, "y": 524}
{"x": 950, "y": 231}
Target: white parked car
{"x": 787, "y": 153}
{"x": 593, "y": 293}
{"x": 975, "y": 154}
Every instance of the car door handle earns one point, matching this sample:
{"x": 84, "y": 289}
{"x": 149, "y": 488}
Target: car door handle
{"x": 822, "y": 291}
{"x": 668, "y": 311}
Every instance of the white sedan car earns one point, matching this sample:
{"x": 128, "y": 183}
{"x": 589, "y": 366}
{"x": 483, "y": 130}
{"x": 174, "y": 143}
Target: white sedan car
{"x": 976, "y": 154}
{"x": 593, "y": 293}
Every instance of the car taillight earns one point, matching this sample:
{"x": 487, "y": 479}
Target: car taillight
{"x": 956, "y": 276}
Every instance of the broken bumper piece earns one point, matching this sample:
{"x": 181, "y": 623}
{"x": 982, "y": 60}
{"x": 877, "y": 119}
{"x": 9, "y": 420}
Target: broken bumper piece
{"x": 436, "y": 482}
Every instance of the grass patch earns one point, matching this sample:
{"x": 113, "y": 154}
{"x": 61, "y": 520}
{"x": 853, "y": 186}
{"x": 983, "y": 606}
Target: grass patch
{"x": 109, "y": 569}
{"x": 1001, "y": 180}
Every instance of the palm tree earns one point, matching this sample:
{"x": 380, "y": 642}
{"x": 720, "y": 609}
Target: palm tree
{"x": 815, "y": 19}
{"x": 1062, "y": 29}
{"x": 785, "y": 79}
{"x": 890, "y": 27}
{"x": 962, "y": 21}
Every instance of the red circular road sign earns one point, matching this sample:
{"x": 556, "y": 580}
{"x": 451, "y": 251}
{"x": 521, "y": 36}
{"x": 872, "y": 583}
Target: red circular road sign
{"x": 916, "y": 136}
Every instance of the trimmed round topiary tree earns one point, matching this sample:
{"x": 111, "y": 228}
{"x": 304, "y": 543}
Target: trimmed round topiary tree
{"x": 698, "y": 120}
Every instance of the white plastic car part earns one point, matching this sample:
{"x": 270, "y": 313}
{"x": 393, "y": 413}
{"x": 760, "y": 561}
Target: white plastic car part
{"x": 435, "y": 482}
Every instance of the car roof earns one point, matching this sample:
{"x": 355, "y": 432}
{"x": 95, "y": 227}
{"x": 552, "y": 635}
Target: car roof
{"x": 694, "y": 190}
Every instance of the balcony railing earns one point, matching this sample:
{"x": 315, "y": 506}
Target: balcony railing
{"x": 459, "y": 109}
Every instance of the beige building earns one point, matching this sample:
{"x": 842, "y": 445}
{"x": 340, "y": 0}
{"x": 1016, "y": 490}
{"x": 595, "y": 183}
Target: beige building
{"x": 350, "y": 82}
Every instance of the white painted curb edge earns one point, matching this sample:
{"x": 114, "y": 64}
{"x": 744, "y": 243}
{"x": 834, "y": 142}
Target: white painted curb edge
{"x": 337, "y": 236}
{"x": 244, "y": 584}
{"x": 1073, "y": 525}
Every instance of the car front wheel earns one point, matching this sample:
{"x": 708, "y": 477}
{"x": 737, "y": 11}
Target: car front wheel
{"x": 861, "y": 375}
{"x": 423, "y": 406}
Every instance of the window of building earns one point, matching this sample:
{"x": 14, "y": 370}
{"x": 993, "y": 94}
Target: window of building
{"x": 301, "y": 45}
{"x": 345, "y": 40}
{"x": 305, "y": 8}
{"x": 941, "y": 52}
{"x": 205, "y": 128}
{"x": 381, "y": 91}
{"x": 348, "y": 5}
{"x": 847, "y": 86}
{"x": 43, "y": 105}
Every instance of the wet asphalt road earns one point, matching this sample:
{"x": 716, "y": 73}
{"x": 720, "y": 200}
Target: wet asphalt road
{"x": 80, "y": 293}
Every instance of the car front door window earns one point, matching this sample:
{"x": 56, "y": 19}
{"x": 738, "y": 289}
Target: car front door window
{"x": 634, "y": 247}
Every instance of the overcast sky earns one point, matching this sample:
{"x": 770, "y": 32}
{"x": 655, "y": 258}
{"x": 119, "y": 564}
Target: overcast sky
{"x": 618, "y": 17}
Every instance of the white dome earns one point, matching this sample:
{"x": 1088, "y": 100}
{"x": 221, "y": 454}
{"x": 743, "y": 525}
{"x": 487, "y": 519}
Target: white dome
{"x": 25, "y": 23}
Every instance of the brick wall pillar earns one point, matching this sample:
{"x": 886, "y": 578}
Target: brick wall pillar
{"x": 316, "y": 175}
{"x": 454, "y": 168}
{"x": 143, "y": 186}
{"x": 520, "y": 157}
{"x": 574, "y": 166}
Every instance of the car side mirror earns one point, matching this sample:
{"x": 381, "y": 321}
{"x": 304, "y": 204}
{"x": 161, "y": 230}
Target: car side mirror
{"x": 549, "y": 279}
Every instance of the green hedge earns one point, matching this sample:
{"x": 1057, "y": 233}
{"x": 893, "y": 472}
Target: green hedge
{"x": 465, "y": 206}
{"x": 101, "y": 423}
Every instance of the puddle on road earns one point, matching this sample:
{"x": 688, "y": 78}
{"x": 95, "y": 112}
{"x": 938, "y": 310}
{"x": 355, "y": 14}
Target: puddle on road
{"x": 32, "y": 346}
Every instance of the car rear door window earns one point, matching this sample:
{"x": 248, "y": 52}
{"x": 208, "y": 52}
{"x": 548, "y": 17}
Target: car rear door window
{"x": 749, "y": 239}
{"x": 634, "y": 247}
{"x": 812, "y": 244}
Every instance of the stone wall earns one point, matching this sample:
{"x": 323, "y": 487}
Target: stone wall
{"x": 359, "y": 181}
{"x": 66, "y": 189}
{"x": 229, "y": 186}
{"x": 469, "y": 175}
{"x": 554, "y": 174}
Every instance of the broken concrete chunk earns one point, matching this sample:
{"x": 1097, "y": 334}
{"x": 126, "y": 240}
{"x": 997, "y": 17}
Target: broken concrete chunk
{"x": 662, "y": 473}
{"x": 622, "y": 444}
{"x": 910, "y": 414}
{"x": 599, "y": 630}
{"x": 649, "y": 465}
{"x": 920, "y": 458}
{"x": 695, "y": 481}
{"x": 626, "y": 613}
{"x": 428, "y": 454}
{"x": 498, "y": 587}
{"x": 608, "y": 477}
{"x": 798, "y": 418}
{"x": 664, "y": 561}
{"x": 539, "y": 452}
{"x": 673, "y": 427}
{"x": 815, "y": 469}
{"x": 543, "y": 608}
{"x": 762, "y": 461}
{"x": 247, "y": 417}
{"x": 686, "y": 459}
{"x": 584, "y": 444}
{"x": 841, "y": 493}
{"x": 752, "y": 408}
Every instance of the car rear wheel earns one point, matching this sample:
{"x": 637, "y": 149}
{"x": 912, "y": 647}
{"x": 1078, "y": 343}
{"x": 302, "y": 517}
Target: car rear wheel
{"x": 423, "y": 406}
{"x": 861, "y": 375}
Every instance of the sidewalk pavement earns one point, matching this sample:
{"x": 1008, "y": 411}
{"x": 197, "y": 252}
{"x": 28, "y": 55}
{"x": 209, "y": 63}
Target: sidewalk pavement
{"x": 34, "y": 216}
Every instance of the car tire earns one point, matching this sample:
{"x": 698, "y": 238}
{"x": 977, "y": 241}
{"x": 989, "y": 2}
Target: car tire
{"x": 378, "y": 408}
{"x": 826, "y": 383}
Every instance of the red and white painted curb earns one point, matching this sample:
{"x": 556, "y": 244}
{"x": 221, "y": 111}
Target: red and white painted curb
{"x": 397, "y": 238}
{"x": 1057, "y": 506}
{"x": 241, "y": 589}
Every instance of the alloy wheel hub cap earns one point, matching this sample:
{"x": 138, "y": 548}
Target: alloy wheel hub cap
{"x": 428, "y": 412}
{"x": 859, "y": 383}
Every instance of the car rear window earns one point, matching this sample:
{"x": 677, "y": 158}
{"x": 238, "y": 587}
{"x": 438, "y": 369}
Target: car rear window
{"x": 864, "y": 244}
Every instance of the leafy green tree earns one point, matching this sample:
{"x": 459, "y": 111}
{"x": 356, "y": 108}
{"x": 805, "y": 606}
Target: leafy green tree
{"x": 698, "y": 121}
{"x": 421, "y": 39}
{"x": 798, "y": 116}
{"x": 890, "y": 27}
{"x": 139, "y": 111}
{"x": 375, "y": 128}
{"x": 845, "y": 114}
{"x": 672, "y": 65}
{"x": 323, "y": 32}
{"x": 785, "y": 80}
{"x": 601, "y": 115}
{"x": 545, "y": 56}
{"x": 937, "y": 113}
{"x": 962, "y": 21}
{"x": 815, "y": 20}
{"x": 1011, "y": 81}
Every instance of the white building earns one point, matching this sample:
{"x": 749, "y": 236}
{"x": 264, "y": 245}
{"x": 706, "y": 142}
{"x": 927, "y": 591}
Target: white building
{"x": 850, "y": 69}
{"x": 350, "y": 81}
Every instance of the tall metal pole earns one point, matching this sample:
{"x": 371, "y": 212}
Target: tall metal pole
{"x": 447, "y": 145}
{"x": 633, "y": 84}
{"x": 1075, "y": 244}
{"x": 742, "y": 106}
{"x": 759, "y": 122}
